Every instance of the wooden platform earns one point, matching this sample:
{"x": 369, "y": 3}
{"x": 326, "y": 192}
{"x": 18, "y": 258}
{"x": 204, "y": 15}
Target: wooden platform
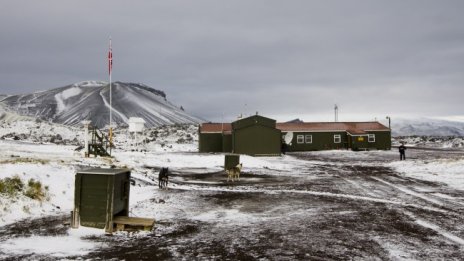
{"x": 133, "y": 223}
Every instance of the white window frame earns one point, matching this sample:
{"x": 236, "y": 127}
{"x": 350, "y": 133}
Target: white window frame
{"x": 371, "y": 138}
{"x": 337, "y": 137}
{"x": 300, "y": 139}
{"x": 308, "y": 139}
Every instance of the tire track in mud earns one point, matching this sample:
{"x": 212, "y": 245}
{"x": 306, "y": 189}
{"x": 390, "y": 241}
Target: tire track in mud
{"x": 452, "y": 205}
{"x": 445, "y": 224}
{"x": 361, "y": 177}
{"x": 435, "y": 228}
{"x": 307, "y": 192}
{"x": 410, "y": 192}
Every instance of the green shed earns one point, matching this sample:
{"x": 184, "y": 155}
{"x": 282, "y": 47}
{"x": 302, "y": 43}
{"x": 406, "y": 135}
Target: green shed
{"x": 256, "y": 136}
{"x": 99, "y": 196}
{"x": 231, "y": 160}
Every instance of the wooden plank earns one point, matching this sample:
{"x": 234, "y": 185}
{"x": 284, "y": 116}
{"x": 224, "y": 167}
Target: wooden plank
{"x": 134, "y": 221}
{"x": 120, "y": 227}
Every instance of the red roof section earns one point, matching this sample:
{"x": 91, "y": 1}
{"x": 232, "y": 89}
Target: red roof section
{"x": 215, "y": 127}
{"x": 351, "y": 127}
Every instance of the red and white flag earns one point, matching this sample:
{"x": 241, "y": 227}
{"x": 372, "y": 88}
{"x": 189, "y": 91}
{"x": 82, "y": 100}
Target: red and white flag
{"x": 110, "y": 59}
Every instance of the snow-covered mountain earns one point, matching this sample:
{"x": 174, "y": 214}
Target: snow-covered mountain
{"x": 90, "y": 100}
{"x": 427, "y": 127}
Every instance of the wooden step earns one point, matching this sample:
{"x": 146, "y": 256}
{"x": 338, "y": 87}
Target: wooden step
{"x": 123, "y": 222}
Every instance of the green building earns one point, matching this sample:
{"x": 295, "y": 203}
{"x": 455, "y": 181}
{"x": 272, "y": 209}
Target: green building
{"x": 310, "y": 136}
{"x": 99, "y": 196}
{"x": 257, "y": 135}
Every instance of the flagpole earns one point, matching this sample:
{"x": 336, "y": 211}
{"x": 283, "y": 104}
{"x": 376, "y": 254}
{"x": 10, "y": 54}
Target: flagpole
{"x": 110, "y": 68}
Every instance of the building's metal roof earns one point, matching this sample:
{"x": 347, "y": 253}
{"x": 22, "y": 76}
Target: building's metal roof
{"x": 216, "y": 128}
{"x": 350, "y": 127}
{"x": 100, "y": 171}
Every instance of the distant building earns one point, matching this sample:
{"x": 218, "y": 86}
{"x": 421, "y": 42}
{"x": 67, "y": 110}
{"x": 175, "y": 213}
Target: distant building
{"x": 255, "y": 135}
{"x": 136, "y": 124}
{"x": 259, "y": 136}
{"x": 310, "y": 136}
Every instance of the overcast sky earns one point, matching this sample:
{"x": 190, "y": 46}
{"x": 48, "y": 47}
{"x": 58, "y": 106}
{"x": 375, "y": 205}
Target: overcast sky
{"x": 284, "y": 59}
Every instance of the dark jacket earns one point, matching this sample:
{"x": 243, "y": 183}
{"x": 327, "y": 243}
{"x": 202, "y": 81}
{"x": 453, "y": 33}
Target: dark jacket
{"x": 402, "y": 149}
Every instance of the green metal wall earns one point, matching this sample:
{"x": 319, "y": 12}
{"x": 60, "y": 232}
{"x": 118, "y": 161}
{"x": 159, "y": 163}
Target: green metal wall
{"x": 325, "y": 141}
{"x": 253, "y": 139}
{"x": 320, "y": 141}
{"x": 361, "y": 143}
{"x": 214, "y": 142}
{"x": 94, "y": 199}
{"x": 227, "y": 143}
{"x": 97, "y": 198}
{"x": 382, "y": 140}
{"x": 231, "y": 160}
{"x": 121, "y": 194}
{"x": 210, "y": 142}
{"x": 257, "y": 140}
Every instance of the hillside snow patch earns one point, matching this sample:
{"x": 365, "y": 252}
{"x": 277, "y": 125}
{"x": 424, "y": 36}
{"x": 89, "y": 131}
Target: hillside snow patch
{"x": 64, "y": 95}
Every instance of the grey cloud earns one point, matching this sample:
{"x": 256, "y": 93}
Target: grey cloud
{"x": 278, "y": 57}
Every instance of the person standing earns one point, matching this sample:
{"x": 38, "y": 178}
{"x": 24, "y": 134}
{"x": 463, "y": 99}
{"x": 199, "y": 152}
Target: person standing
{"x": 283, "y": 147}
{"x": 402, "y": 150}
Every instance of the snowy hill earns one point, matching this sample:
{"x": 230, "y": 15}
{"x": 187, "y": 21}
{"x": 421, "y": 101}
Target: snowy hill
{"x": 7, "y": 116}
{"x": 427, "y": 127}
{"x": 90, "y": 100}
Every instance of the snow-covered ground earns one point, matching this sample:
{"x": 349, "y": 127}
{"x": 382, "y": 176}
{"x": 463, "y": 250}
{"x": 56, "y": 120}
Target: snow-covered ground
{"x": 446, "y": 171}
{"x": 301, "y": 187}
{"x": 54, "y": 166}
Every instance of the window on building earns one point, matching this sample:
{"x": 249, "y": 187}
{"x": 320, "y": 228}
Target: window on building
{"x": 337, "y": 138}
{"x": 309, "y": 138}
{"x": 360, "y": 138}
{"x": 371, "y": 137}
{"x": 300, "y": 139}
